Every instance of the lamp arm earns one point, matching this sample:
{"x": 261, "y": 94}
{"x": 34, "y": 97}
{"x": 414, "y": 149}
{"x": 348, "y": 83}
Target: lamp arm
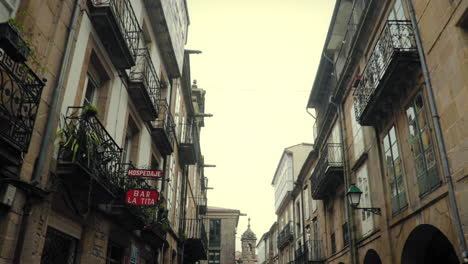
{"x": 373, "y": 210}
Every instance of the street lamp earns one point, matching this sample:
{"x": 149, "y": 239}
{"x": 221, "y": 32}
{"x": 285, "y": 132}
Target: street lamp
{"x": 354, "y": 196}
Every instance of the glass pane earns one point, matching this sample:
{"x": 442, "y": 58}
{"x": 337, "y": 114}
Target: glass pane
{"x": 433, "y": 178}
{"x": 410, "y": 114}
{"x": 423, "y": 186}
{"x": 386, "y": 143}
{"x": 413, "y": 130}
{"x": 393, "y": 189}
{"x": 395, "y": 207}
{"x": 430, "y": 158}
{"x": 397, "y": 164}
{"x": 419, "y": 103}
{"x": 426, "y": 139}
{"x": 392, "y": 134}
{"x": 420, "y": 168}
{"x": 395, "y": 152}
{"x": 416, "y": 147}
{"x": 422, "y": 120}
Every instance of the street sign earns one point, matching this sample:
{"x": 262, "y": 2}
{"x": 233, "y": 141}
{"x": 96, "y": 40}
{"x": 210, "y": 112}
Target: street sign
{"x": 142, "y": 197}
{"x": 144, "y": 173}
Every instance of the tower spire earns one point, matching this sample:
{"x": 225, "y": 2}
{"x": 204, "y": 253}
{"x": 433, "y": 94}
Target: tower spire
{"x": 249, "y": 223}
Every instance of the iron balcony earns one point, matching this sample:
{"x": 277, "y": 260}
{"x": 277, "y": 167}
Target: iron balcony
{"x": 391, "y": 65}
{"x": 196, "y": 240}
{"x": 145, "y": 87}
{"x": 285, "y": 236}
{"x": 118, "y": 28}
{"x": 20, "y": 93}
{"x": 189, "y": 145}
{"x": 163, "y": 129}
{"x": 87, "y": 148}
{"x": 328, "y": 173}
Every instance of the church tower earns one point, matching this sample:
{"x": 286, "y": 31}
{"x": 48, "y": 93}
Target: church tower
{"x": 249, "y": 243}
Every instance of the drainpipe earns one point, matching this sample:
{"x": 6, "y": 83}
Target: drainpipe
{"x": 346, "y": 178}
{"x": 45, "y": 143}
{"x": 439, "y": 137}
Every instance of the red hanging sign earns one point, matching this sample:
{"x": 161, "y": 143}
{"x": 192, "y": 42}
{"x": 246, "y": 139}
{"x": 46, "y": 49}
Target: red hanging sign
{"x": 145, "y": 173}
{"x": 142, "y": 197}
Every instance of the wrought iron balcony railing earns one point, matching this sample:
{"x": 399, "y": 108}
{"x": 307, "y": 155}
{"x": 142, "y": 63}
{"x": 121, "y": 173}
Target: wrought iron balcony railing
{"x": 353, "y": 22}
{"x": 86, "y": 142}
{"x": 196, "y": 240}
{"x": 286, "y": 235}
{"x": 323, "y": 177}
{"x": 164, "y": 129}
{"x": 20, "y": 93}
{"x": 189, "y": 145}
{"x": 396, "y": 40}
{"x": 118, "y": 27}
{"x": 145, "y": 87}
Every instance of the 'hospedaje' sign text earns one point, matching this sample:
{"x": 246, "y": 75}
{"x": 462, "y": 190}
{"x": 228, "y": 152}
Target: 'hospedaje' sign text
{"x": 142, "y": 197}
{"x": 144, "y": 173}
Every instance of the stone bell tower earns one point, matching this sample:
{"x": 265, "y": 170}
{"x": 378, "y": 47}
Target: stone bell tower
{"x": 249, "y": 243}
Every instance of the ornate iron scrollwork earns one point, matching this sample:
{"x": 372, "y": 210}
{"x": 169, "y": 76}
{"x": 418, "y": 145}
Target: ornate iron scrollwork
{"x": 20, "y": 93}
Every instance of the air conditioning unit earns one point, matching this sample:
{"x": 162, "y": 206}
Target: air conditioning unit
{"x": 7, "y": 195}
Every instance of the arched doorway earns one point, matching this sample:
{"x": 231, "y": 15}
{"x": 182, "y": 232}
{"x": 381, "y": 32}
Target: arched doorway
{"x": 428, "y": 245}
{"x": 372, "y": 257}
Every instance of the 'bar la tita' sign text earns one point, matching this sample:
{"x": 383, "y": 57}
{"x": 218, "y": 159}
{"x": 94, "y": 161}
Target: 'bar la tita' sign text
{"x": 142, "y": 197}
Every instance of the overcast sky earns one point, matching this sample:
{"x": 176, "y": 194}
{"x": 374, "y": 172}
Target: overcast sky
{"x": 258, "y": 64}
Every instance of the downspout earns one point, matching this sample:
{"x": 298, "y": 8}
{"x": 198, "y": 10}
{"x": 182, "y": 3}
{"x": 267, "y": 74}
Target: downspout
{"x": 45, "y": 143}
{"x": 346, "y": 178}
{"x": 439, "y": 137}
{"x": 303, "y": 220}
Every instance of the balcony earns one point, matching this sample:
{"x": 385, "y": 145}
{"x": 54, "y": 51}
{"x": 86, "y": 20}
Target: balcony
{"x": 20, "y": 93}
{"x": 144, "y": 87}
{"x": 163, "y": 130}
{"x": 285, "y": 236}
{"x": 118, "y": 28}
{"x": 88, "y": 154}
{"x": 315, "y": 253}
{"x": 328, "y": 173}
{"x": 392, "y": 64}
{"x": 189, "y": 146}
{"x": 201, "y": 205}
{"x": 301, "y": 255}
{"x": 196, "y": 241}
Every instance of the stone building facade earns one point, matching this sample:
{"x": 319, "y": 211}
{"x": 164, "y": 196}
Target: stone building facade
{"x": 387, "y": 99}
{"x": 221, "y": 226}
{"x": 378, "y": 95}
{"x": 118, "y": 96}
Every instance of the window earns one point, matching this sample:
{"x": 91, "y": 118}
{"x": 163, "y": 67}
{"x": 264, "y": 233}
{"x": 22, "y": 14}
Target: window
{"x": 130, "y": 146}
{"x": 91, "y": 92}
{"x": 215, "y": 233}
{"x": 397, "y": 12}
{"x": 345, "y": 235}
{"x": 333, "y": 243}
{"x": 214, "y": 257}
{"x": 358, "y": 136}
{"x": 363, "y": 184}
{"x": 394, "y": 172}
{"x": 306, "y": 203}
{"x": 7, "y": 9}
{"x": 59, "y": 248}
{"x": 422, "y": 146}
{"x": 115, "y": 253}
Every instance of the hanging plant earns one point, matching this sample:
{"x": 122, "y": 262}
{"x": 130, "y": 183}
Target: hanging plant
{"x": 89, "y": 111}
